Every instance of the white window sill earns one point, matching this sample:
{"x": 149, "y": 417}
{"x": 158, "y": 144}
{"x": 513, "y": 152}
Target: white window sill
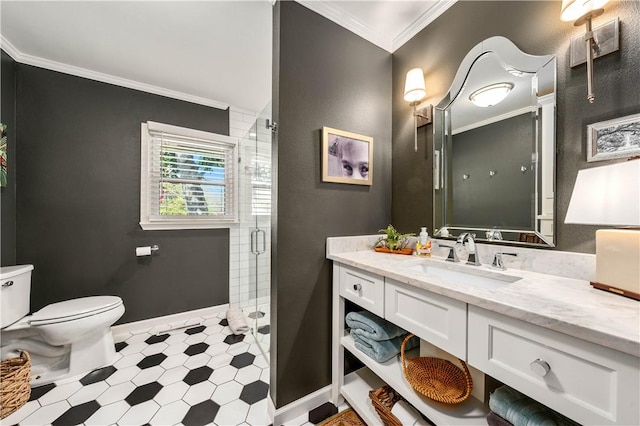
{"x": 161, "y": 226}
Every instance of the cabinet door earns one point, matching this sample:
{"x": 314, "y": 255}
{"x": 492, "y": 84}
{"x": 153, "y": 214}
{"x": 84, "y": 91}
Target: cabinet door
{"x": 584, "y": 381}
{"x": 363, "y": 288}
{"x": 437, "y": 319}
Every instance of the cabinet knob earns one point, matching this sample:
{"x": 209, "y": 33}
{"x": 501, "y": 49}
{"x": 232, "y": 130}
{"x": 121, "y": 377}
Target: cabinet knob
{"x": 357, "y": 287}
{"x": 540, "y": 367}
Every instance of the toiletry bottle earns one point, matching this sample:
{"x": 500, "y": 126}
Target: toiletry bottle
{"x": 423, "y": 246}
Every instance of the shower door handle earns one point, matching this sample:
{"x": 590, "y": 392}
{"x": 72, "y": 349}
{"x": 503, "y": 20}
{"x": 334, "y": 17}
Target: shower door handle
{"x": 264, "y": 241}
{"x": 254, "y": 242}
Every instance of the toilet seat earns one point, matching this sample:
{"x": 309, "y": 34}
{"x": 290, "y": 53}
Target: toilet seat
{"x": 74, "y": 309}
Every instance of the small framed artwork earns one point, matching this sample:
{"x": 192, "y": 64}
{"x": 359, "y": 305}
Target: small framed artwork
{"x": 617, "y": 138}
{"x": 346, "y": 157}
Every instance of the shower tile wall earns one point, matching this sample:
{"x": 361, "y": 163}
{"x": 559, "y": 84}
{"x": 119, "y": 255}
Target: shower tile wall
{"x": 242, "y": 291}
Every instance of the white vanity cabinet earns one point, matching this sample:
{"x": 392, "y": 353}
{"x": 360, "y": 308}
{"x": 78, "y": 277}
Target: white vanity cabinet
{"x": 587, "y": 382}
{"x": 432, "y": 317}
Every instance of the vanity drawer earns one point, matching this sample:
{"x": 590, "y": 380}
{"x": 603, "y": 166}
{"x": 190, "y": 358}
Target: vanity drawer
{"x": 363, "y": 288}
{"x": 437, "y": 319}
{"x": 589, "y": 383}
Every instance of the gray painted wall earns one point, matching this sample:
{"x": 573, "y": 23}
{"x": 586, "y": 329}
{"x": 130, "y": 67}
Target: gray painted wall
{"x": 327, "y": 76}
{"x": 504, "y": 200}
{"x": 536, "y": 28}
{"x": 78, "y": 199}
{"x": 8, "y": 193}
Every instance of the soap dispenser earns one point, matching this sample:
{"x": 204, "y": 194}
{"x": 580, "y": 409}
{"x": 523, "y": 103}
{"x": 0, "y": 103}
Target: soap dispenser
{"x": 423, "y": 246}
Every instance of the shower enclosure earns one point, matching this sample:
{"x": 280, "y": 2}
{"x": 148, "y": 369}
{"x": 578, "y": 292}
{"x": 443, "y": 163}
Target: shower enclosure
{"x": 250, "y": 272}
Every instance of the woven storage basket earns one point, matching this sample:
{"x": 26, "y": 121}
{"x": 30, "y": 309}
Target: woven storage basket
{"x": 15, "y": 375}
{"x": 436, "y": 378}
{"x": 382, "y": 400}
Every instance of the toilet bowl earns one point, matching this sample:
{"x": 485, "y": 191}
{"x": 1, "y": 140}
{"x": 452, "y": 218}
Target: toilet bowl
{"x": 65, "y": 338}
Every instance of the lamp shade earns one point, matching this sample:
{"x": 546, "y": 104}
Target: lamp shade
{"x": 607, "y": 195}
{"x": 414, "y": 88}
{"x": 572, "y": 10}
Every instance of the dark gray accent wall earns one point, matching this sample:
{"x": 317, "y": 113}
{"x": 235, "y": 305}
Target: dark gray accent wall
{"x": 78, "y": 199}
{"x": 8, "y": 193}
{"x": 327, "y": 76}
{"x": 535, "y": 27}
{"x": 504, "y": 200}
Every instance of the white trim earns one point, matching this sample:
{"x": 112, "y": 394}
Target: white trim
{"x": 271, "y": 406}
{"x": 495, "y": 119}
{"x": 9, "y": 48}
{"x": 419, "y": 24}
{"x": 370, "y": 34}
{"x": 347, "y": 21}
{"x": 286, "y": 414}
{"x": 142, "y": 325}
{"x": 106, "y": 78}
{"x": 146, "y": 222}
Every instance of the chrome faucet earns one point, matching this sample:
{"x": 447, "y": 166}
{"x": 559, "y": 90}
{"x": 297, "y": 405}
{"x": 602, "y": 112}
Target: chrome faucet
{"x": 469, "y": 238}
{"x": 497, "y": 260}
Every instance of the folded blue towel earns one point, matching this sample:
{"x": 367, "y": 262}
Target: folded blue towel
{"x": 381, "y": 350}
{"x": 520, "y": 410}
{"x": 373, "y": 327}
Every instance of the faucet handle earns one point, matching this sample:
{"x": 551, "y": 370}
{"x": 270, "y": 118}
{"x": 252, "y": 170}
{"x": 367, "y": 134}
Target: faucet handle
{"x": 497, "y": 260}
{"x": 453, "y": 254}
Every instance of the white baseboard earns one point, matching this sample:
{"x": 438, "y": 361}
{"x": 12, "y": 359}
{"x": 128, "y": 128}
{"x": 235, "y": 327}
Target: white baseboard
{"x": 168, "y": 321}
{"x": 300, "y": 406}
{"x": 271, "y": 407}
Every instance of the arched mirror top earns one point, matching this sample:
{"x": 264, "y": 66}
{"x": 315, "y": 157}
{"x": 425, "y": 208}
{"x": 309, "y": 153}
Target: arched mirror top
{"x": 495, "y": 157}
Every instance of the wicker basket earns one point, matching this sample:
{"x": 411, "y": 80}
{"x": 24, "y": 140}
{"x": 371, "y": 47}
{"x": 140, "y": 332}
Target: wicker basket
{"x": 436, "y": 378}
{"x": 15, "y": 375}
{"x": 382, "y": 400}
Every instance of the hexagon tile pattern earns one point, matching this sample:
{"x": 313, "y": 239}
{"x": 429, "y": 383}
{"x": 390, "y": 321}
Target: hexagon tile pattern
{"x": 163, "y": 378}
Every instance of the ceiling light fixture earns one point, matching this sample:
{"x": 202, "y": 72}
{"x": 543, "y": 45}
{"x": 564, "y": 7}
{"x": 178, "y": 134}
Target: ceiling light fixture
{"x": 490, "y": 95}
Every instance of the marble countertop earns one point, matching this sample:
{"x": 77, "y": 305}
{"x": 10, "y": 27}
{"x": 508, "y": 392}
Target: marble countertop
{"x": 567, "y": 305}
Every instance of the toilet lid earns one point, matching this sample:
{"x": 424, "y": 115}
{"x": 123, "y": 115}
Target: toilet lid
{"x": 75, "y": 308}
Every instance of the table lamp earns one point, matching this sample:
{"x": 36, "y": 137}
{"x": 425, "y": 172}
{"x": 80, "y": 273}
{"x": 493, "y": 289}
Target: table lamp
{"x": 610, "y": 195}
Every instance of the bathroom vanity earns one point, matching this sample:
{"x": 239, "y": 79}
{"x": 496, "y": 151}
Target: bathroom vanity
{"x": 554, "y": 338}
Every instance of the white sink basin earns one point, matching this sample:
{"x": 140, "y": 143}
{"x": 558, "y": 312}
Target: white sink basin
{"x": 464, "y": 275}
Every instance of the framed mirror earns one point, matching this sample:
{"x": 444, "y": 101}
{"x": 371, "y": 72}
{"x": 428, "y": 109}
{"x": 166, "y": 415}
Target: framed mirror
{"x": 494, "y": 147}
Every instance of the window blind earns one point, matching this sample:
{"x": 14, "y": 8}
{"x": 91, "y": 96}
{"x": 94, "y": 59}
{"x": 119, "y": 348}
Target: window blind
{"x": 191, "y": 177}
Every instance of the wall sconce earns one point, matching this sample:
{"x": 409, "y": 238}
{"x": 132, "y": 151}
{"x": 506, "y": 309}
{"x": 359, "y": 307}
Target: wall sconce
{"x": 610, "y": 195}
{"x": 414, "y": 92}
{"x": 595, "y": 43}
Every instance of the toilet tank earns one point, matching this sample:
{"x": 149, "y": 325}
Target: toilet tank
{"x": 15, "y": 293}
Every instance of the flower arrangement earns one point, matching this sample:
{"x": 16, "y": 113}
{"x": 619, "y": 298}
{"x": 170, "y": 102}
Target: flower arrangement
{"x": 393, "y": 240}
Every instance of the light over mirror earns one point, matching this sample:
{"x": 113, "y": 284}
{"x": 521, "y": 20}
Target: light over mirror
{"x": 494, "y": 138}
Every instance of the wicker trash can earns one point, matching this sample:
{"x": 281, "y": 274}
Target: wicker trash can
{"x": 15, "y": 375}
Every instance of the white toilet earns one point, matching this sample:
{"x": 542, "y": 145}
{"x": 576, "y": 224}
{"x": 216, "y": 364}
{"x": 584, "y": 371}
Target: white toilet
{"x": 64, "y": 339}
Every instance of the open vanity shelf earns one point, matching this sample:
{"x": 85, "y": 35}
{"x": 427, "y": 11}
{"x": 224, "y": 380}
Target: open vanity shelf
{"x": 357, "y": 385}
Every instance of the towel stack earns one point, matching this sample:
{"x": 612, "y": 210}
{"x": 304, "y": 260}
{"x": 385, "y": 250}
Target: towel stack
{"x": 510, "y": 407}
{"x": 376, "y": 337}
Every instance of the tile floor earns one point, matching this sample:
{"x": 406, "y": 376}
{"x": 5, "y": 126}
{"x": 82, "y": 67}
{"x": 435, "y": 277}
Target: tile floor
{"x": 193, "y": 376}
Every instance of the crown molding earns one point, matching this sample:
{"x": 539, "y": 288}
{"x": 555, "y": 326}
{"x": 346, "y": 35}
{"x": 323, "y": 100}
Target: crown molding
{"x": 347, "y": 21}
{"x": 370, "y": 34}
{"x": 36, "y": 61}
{"x": 419, "y": 24}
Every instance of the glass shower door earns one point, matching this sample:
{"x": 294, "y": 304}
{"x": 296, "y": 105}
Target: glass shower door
{"x": 257, "y": 165}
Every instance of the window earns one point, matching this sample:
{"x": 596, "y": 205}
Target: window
{"x": 188, "y": 178}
